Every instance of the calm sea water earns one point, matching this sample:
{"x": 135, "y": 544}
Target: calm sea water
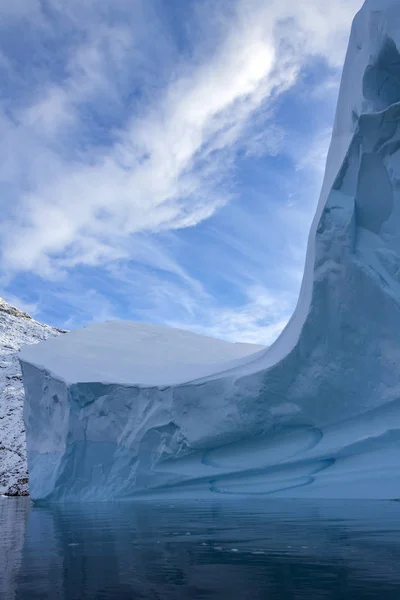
{"x": 248, "y": 550}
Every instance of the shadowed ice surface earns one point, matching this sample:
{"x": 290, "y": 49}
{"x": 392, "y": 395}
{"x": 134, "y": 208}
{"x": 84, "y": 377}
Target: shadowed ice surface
{"x": 249, "y": 550}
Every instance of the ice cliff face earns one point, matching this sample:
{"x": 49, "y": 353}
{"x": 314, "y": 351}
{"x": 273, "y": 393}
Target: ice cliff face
{"x": 16, "y": 329}
{"x": 317, "y": 413}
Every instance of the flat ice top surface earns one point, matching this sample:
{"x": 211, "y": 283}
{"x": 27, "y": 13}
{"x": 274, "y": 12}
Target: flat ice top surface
{"x": 135, "y": 353}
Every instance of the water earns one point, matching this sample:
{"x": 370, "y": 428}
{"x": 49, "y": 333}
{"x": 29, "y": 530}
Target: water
{"x": 286, "y": 550}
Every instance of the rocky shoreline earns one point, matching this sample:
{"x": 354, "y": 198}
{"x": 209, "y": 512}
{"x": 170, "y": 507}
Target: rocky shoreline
{"x": 17, "y": 328}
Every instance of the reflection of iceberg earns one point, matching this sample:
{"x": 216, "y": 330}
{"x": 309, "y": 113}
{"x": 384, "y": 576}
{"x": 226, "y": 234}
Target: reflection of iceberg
{"x": 282, "y": 549}
{"x": 317, "y": 413}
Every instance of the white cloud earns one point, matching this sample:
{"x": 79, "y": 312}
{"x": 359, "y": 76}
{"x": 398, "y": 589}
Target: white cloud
{"x": 165, "y": 168}
{"x": 314, "y": 158}
{"x": 258, "y": 321}
{"x": 136, "y": 138}
{"x": 268, "y": 141}
{"x": 28, "y": 307}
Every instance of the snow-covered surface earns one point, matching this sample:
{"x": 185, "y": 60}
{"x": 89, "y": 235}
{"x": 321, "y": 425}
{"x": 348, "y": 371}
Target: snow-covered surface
{"x": 16, "y": 328}
{"x": 136, "y": 354}
{"x": 317, "y": 414}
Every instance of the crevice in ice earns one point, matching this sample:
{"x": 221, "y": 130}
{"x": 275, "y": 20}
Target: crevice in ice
{"x": 381, "y": 83}
{"x": 264, "y": 450}
{"x": 272, "y": 481}
{"x": 374, "y": 197}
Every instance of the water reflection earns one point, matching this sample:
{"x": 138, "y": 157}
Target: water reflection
{"x": 248, "y": 550}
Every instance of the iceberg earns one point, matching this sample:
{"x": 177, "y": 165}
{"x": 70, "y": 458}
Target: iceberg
{"x": 120, "y": 410}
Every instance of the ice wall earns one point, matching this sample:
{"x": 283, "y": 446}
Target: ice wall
{"x": 317, "y": 413}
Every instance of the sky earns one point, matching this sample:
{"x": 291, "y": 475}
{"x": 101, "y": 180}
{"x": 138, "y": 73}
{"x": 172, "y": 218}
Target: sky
{"x": 161, "y": 160}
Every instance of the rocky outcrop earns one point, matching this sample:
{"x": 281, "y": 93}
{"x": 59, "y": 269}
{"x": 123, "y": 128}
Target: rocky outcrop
{"x": 16, "y": 329}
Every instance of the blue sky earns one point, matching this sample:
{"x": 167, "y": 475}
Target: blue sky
{"x": 160, "y": 160}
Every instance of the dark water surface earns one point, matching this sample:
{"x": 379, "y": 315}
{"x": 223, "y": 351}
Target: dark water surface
{"x": 248, "y": 550}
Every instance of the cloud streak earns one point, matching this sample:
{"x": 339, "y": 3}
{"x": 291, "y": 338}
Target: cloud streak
{"x": 126, "y": 135}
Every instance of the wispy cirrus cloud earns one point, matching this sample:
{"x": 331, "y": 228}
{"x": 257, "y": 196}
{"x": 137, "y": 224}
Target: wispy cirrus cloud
{"x": 128, "y": 128}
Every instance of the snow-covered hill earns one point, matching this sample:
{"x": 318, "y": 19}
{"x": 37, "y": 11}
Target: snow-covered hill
{"x": 16, "y": 329}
